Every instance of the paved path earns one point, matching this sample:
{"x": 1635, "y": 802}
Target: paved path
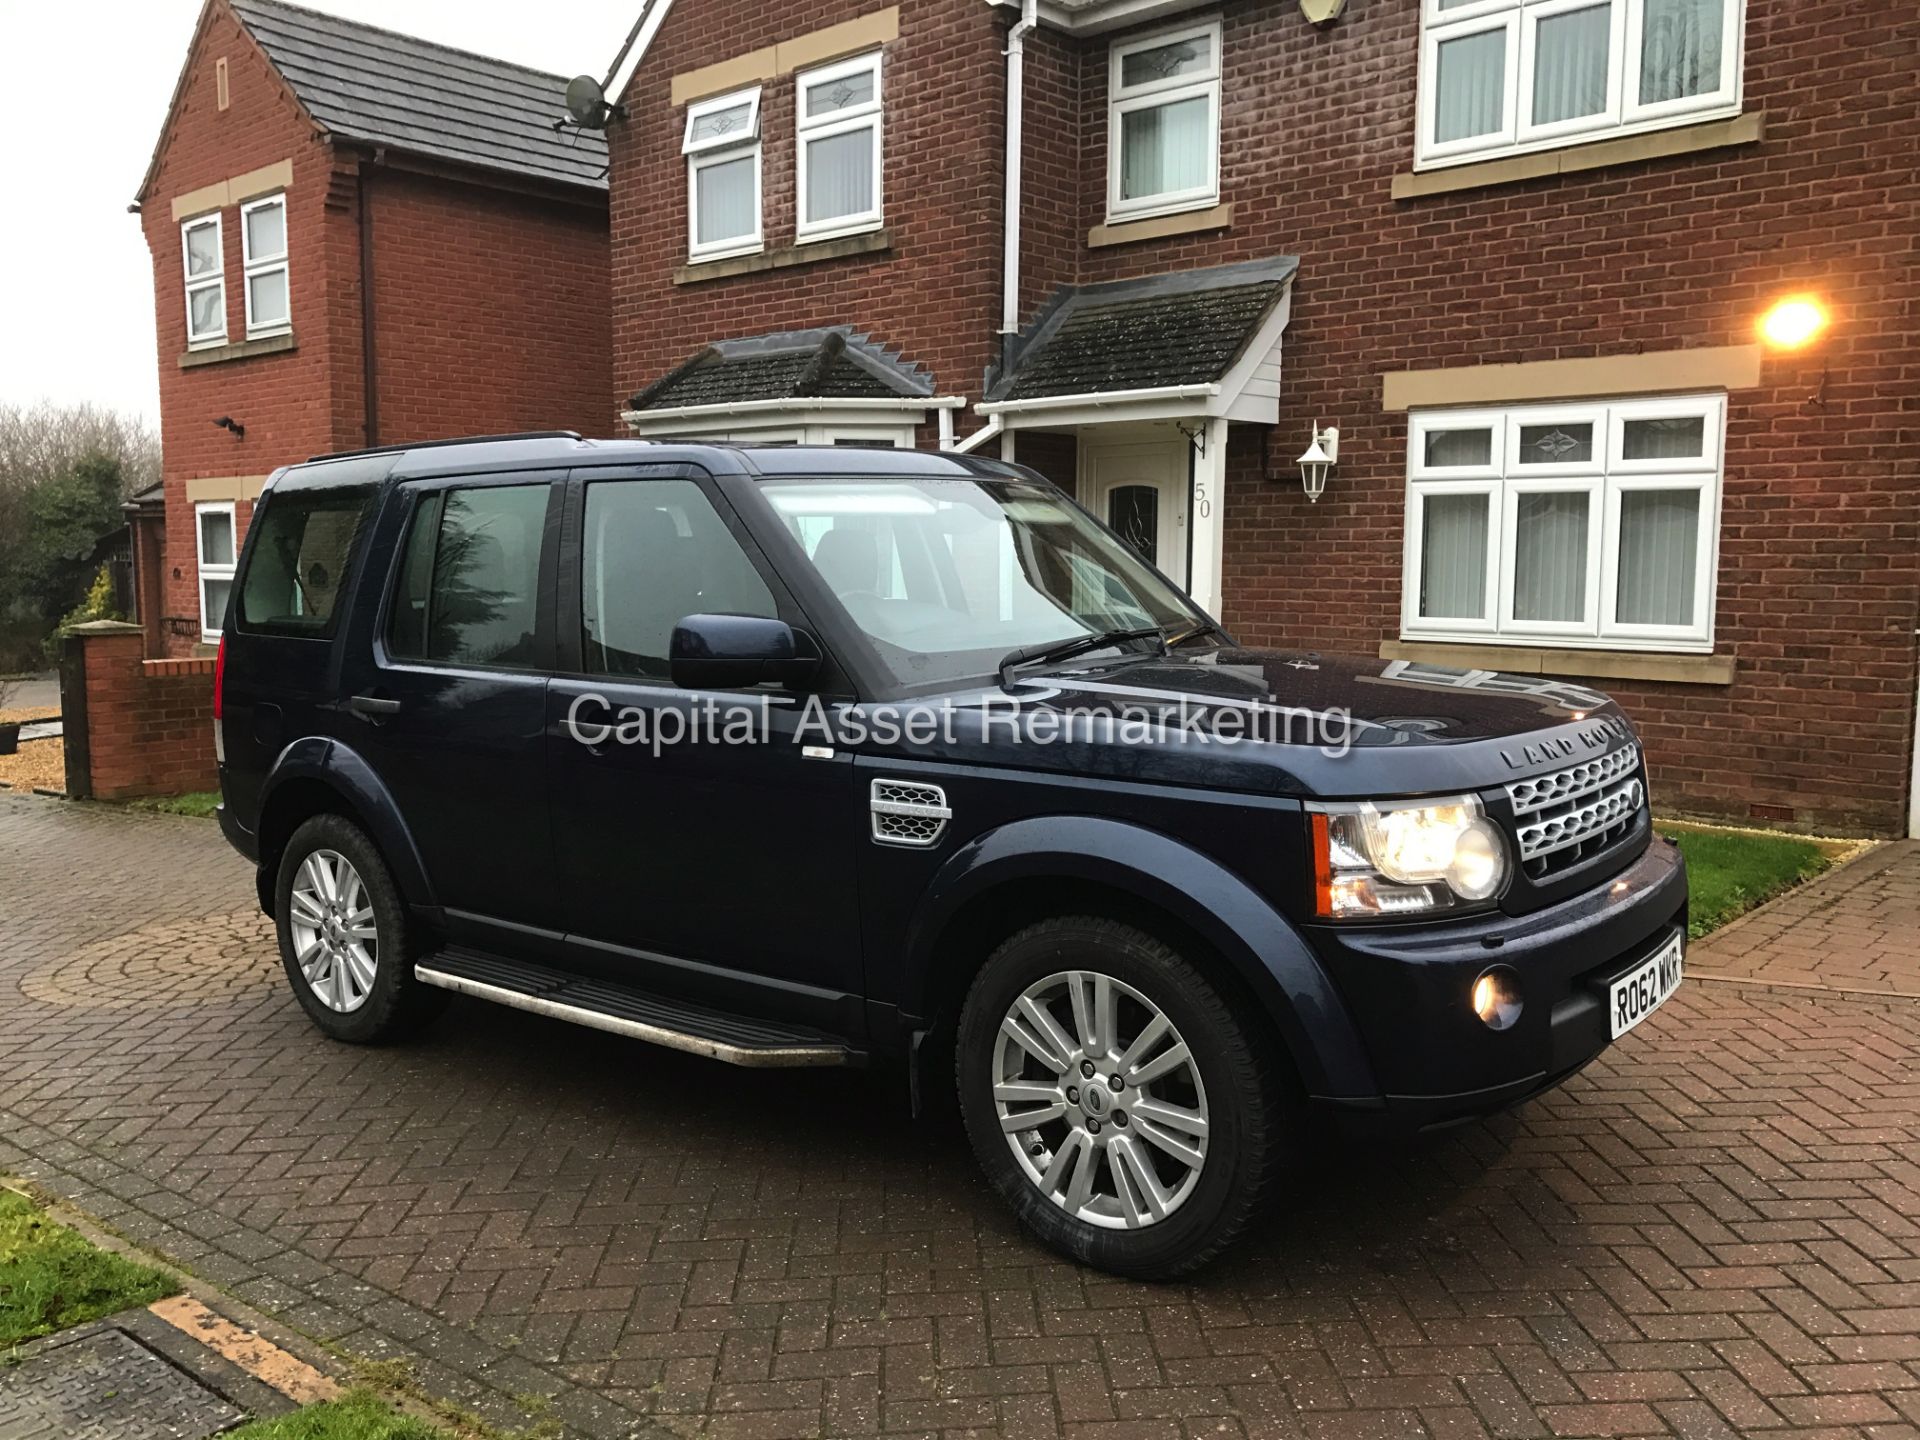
{"x": 1709, "y": 1233}
{"x": 1855, "y": 928}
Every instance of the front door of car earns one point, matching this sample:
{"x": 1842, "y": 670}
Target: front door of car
{"x": 448, "y": 702}
{"x": 704, "y": 850}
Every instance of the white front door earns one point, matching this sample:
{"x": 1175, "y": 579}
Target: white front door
{"x": 1139, "y": 487}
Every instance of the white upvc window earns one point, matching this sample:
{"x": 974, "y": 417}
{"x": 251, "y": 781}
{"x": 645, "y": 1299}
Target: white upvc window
{"x": 1582, "y": 524}
{"x": 263, "y": 253}
{"x": 838, "y": 147}
{"x": 722, "y": 146}
{"x": 217, "y": 547}
{"x": 203, "y": 255}
{"x": 1163, "y": 123}
{"x": 1509, "y": 76}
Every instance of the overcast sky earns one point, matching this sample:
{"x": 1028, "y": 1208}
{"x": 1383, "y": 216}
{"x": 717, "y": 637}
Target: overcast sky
{"x": 83, "y": 91}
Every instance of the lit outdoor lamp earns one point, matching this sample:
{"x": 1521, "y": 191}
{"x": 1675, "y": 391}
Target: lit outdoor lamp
{"x": 1794, "y": 323}
{"x": 1321, "y": 457}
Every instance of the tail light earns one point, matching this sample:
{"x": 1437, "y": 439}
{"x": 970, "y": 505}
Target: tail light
{"x": 220, "y": 703}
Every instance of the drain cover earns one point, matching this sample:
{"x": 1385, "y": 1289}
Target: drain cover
{"x": 102, "y": 1384}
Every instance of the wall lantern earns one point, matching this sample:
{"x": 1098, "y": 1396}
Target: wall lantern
{"x": 1321, "y": 457}
{"x": 1322, "y": 12}
{"x": 1794, "y": 323}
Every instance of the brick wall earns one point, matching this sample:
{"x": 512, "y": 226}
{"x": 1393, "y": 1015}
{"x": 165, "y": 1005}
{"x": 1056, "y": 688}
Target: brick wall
{"x": 1819, "y": 574}
{"x": 934, "y": 295}
{"x": 142, "y": 727}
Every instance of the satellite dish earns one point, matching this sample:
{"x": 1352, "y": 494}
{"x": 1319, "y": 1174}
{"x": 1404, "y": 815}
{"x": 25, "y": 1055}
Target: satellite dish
{"x": 587, "y": 103}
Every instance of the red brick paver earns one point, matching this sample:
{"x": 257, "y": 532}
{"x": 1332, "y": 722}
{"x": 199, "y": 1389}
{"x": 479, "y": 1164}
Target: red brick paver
{"x": 1711, "y": 1232}
{"x": 1855, "y": 928}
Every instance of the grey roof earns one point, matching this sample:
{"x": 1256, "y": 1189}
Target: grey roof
{"x": 1186, "y": 328}
{"x": 831, "y": 363}
{"x": 364, "y": 83}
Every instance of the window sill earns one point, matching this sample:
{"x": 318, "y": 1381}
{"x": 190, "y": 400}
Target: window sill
{"x": 1160, "y": 227}
{"x": 239, "y": 350}
{"x": 1579, "y": 664}
{"x": 1747, "y": 129}
{"x": 873, "y": 242}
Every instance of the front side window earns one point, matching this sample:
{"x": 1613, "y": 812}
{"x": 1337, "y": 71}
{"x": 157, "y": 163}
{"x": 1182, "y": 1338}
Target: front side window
{"x": 296, "y": 573}
{"x": 722, "y": 146}
{"x": 1565, "y": 524}
{"x": 469, "y": 591}
{"x": 1503, "y": 76}
{"x": 944, "y": 577}
{"x": 217, "y": 542}
{"x": 1163, "y": 130}
{"x": 205, "y": 260}
{"x": 838, "y": 113}
{"x": 656, "y": 551}
{"x": 263, "y": 245}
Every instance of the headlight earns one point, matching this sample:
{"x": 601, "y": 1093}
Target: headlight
{"x": 1404, "y": 857}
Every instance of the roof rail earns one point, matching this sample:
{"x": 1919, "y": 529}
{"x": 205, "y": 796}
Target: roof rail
{"x": 458, "y": 440}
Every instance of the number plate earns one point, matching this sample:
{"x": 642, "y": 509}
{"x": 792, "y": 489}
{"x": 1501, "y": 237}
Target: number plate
{"x": 1644, "y": 989}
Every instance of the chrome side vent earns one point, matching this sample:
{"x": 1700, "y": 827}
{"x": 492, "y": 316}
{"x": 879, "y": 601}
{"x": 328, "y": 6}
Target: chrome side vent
{"x": 908, "y": 813}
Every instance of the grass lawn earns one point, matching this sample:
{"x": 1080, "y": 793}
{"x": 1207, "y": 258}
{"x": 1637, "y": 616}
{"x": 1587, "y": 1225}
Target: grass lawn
{"x": 51, "y": 1278}
{"x": 358, "y": 1415}
{"x": 1731, "y": 871}
{"x": 199, "y": 804}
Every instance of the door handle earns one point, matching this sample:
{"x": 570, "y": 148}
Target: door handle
{"x": 373, "y": 706}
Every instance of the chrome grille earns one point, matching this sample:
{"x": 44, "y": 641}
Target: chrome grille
{"x": 1573, "y": 782}
{"x": 907, "y": 813}
{"x": 1596, "y": 820}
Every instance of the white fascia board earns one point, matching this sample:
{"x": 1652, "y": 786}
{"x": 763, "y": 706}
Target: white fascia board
{"x": 621, "y": 75}
{"x": 1168, "y": 402}
{"x": 1116, "y": 15}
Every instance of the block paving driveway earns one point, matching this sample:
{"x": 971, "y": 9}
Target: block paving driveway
{"x": 1714, "y": 1231}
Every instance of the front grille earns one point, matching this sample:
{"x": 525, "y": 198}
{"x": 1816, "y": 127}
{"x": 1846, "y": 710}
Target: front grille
{"x": 1572, "y": 815}
{"x": 906, "y": 813}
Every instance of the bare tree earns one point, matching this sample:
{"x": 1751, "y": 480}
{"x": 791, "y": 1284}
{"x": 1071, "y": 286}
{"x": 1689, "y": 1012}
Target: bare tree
{"x": 44, "y": 440}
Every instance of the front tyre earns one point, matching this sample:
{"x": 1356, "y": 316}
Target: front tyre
{"x": 1114, "y": 1099}
{"x": 343, "y": 935}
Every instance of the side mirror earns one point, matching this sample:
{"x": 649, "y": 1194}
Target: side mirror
{"x": 728, "y": 652}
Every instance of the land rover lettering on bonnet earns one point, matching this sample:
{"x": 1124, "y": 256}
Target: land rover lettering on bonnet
{"x": 850, "y": 757}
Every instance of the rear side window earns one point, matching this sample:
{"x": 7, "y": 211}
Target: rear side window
{"x": 303, "y": 546}
{"x": 469, "y": 589}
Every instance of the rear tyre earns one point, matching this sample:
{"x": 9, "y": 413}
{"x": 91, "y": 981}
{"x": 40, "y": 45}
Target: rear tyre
{"x": 344, "y": 937}
{"x": 1115, "y": 1101}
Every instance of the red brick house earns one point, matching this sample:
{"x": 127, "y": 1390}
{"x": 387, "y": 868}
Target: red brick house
{"x": 1516, "y": 252}
{"x": 358, "y": 238}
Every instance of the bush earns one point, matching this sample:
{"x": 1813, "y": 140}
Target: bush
{"x": 97, "y": 606}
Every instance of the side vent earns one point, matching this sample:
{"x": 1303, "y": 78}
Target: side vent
{"x": 906, "y": 813}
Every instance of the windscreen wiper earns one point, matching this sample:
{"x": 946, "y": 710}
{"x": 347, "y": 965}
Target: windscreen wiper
{"x": 1066, "y": 649}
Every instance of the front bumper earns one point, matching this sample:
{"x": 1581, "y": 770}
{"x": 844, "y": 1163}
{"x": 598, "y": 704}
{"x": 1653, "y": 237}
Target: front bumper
{"x": 1408, "y": 990}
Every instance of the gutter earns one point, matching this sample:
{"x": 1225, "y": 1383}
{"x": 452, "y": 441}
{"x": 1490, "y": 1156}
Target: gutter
{"x": 854, "y": 405}
{"x": 1098, "y": 398}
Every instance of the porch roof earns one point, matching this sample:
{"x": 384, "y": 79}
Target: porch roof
{"x": 1195, "y": 330}
{"x": 797, "y": 365}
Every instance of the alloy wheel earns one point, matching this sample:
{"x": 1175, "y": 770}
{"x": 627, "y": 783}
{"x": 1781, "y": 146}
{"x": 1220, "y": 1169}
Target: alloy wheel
{"x": 336, "y": 938}
{"x": 1100, "y": 1100}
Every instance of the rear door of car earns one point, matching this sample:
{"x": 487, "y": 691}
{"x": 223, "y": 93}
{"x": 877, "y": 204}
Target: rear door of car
{"x": 447, "y": 703}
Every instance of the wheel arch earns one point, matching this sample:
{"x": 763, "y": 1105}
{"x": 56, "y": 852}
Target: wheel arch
{"x": 317, "y": 777}
{"x": 1001, "y": 882}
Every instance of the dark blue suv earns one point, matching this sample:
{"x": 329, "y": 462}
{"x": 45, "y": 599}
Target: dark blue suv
{"x": 795, "y": 756}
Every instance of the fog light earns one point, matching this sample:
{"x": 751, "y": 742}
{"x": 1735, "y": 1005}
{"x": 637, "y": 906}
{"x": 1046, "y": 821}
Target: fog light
{"x": 1496, "y": 997}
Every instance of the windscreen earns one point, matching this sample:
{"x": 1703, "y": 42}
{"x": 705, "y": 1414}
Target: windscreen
{"x": 947, "y": 576}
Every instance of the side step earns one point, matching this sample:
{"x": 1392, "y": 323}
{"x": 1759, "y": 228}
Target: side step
{"x": 622, "y": 1010}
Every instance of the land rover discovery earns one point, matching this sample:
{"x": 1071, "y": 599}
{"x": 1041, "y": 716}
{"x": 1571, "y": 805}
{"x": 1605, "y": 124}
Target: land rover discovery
{"x": 824, "y": 756}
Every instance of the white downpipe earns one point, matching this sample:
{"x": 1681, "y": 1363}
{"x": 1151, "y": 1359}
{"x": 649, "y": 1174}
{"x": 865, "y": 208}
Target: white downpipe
{"x": 1016, "y": 110}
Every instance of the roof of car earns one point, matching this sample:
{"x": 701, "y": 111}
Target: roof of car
{"x": 559, "y": 449}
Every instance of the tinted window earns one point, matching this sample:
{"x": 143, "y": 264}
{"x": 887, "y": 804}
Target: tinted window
{"x": 305, "y": 542}
{"x": 656, "y": 552}
{"x": 470, "y": 582}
